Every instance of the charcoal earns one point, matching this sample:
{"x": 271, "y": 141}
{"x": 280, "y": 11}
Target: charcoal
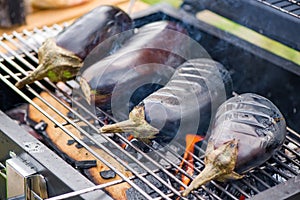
{"x": 108, "y": 174}
{"x": 18, "y": 113}
{"x": 130, "y": 148}
{"x": 163, "y": 188}
{"x": 139, "y": 144}
{"x": 70, "y": 142}
{"x": 85, "y": 164}
{"x": 136, "y": 167}
{"x": 12, "y": 13}
{"x": 87, "y": 129}
{"x": 133, "y": 194}
{"x": 78, "y": 146}
{"x": 154, "y": 181}
{"x": 71, "y": 115}
{"x": 87, "y": 141}
{"x": 41, "y": 126}
{"x": 143, "y": 186}
{"x": 131, "y": 191}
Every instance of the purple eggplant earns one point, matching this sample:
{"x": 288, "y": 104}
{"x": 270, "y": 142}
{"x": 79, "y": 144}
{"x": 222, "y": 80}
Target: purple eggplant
{"x": 61, "y": 57}
{"x": 247, "y": 130}
{"x": 144, "y": 63}
{"x": 184, "y": 105}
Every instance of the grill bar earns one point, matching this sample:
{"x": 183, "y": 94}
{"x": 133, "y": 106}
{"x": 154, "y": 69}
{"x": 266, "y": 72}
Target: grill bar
{"x": 276, "y": 170}
{"x": 283, "y": 5}
{"x": 213, "y": 182}
{"x": 29, "y": 55}
{"x": 90, "y": 189}
{"x": 65, "y": 130}
{"x": 86, "y": 134}
{"x": 24, "y": 42}
{"x": 268, "y": 175}
{"x": 270, "y": 18}
{"x": 284, "y": 165}
{"x": 28, "y": 48}
{"x": 174, "y": 165}
{"x": 101, "y": 146}
{"x": 98, "y": 187}
{"x": 240, "y": 190}
{"x": 74, "y": 137}
{"x": 170, "y": 150}
{"x": 150, "y": 172}
{"x": 288, "y": 158}
{"x": 294, "y": 142}
{"x": 260, "y": 181}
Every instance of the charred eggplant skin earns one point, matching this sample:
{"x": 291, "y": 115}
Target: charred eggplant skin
{"x": 196, "y": 87}
{"x": 147, "y": 55}
{"x": 61, "y": 57}
{"x": 247, "y": 130}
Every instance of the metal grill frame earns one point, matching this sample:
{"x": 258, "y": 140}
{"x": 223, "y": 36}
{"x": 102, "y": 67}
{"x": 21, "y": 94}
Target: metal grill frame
{"x": 173, "y": 191}
{"x": 263, "y": 16}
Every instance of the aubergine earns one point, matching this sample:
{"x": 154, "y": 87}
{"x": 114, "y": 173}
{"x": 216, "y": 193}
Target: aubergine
{"x": 141, "y": 66}
{"x": 247, "y": 130}
{"x": 61, "y": 57}
{"x": 12, "y": 13}
{"x": 184, "y": 105}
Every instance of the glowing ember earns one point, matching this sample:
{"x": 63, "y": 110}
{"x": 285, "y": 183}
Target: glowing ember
{"x": 129, "y": 138}
{"x": 242, "y": 197}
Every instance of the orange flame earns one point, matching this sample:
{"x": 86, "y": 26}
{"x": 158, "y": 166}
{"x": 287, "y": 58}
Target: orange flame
{"x": 129, "y": 138}
{"x": 190, "y": 140}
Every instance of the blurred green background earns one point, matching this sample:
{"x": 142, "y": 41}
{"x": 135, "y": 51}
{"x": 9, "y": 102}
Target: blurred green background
{"x": 240, "y": 31}
{"x": 175, "y": 3}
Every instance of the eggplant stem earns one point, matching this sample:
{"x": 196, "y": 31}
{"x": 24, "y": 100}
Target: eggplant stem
{"x": 56, "y": 63}
{"x": 123, "y": 126}
{"x": 27, "y": 79}
{"x": 209, "y": 173}
{"x": 219, "y": 165}
{"x": 135, "y": 125}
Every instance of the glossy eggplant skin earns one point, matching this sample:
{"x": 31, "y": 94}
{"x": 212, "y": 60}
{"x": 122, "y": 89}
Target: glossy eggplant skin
{"x": 184, "y": 105}
{"x": 246, "y": 132}
{"x": 144, "y": 63}
{"x": 61, "y": 57}
{"x": 256, "y": 123}
{"x": 193, "y": 93}
{"x": 93, "y": 28}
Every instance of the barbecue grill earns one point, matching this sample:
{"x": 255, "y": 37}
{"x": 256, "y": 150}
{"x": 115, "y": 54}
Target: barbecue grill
{"x": 44, "y": 171}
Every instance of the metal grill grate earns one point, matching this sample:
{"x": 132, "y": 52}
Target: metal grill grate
{"x": 291, "y": 7}
{"x": 18, "y": 54}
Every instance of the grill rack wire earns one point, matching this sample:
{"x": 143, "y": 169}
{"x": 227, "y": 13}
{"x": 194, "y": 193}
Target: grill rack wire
{"x": 18, "y": 53}
{"x": 291, "y": 7}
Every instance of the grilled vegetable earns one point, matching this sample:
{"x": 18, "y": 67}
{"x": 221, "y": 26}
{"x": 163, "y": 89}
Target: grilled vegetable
{"x": 60, "y": 58}
{"x": 247, "y": 130}
{"x": 12, "y": 13}
{"x": 141, "y": 66}
{"x": 184, "y": 105}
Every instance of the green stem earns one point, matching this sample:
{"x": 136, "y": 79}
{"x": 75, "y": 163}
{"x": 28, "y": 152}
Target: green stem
{"x": 56, "y": 63}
